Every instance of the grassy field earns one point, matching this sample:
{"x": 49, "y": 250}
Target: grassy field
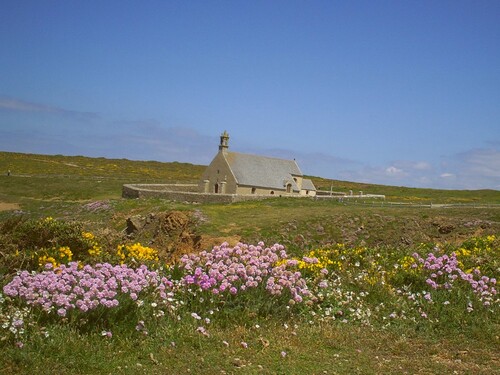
{"x": 374, "y": 315}
{"x": 77, "y": 176}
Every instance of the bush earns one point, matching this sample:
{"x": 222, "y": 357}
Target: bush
{"x": 30, "y": 244}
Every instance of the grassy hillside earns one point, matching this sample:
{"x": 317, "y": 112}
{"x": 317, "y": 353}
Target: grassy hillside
{"x": 62, "y": 186}
{"x": 373, "y": 312}
{"x": 57, "y": 177}
{"x": 50, "y": 178}
{"x": 407, "y": 194}
{"x": 81, "y": 166}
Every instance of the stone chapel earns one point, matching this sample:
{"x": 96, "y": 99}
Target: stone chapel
{"x": 245, "y": 174}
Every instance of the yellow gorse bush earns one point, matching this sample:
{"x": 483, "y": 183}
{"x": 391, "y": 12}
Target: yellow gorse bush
{"x": 65, "y": 252}
{"x": 95, "y": 249}
{"x": 476, "y": 250}
{"x": 45, "y": 259}
{"x": 56, "y": 256}
{"x": 136, "y": 252}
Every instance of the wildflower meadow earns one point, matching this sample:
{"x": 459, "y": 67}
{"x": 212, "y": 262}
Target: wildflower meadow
{"x": 68, "y": 279}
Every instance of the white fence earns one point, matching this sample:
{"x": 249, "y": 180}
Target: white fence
{"x": 384, "y": 203}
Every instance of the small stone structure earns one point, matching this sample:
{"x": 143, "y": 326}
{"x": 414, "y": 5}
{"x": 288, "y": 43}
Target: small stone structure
{"x": 246, "y": 174}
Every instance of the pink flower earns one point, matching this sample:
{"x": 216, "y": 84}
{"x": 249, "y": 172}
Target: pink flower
{"x": 107, "y": 334}
{"x": 195, "y": 316}
{"x": 61, "y": 312}
{"x": 203, "y": 331}
{"x": 140, "y": 326}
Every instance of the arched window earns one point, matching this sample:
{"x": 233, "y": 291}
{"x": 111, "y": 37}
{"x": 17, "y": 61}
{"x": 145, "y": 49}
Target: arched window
{"x": 272, "y": 192}
{"x": 254, "y": 190}
{"x": 216, "y": 187}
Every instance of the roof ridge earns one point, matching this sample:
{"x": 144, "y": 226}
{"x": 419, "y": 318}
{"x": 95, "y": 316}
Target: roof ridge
{"x": 262, "y": 156}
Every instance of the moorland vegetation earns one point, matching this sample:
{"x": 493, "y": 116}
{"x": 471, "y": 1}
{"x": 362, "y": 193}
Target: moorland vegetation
{"x": 282, "y": 286}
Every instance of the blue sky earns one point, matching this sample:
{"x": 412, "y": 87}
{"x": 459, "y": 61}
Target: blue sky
{"x": 390, "y": 92}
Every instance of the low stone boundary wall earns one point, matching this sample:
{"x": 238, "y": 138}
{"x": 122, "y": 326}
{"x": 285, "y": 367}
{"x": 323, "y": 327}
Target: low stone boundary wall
{"x": 189, "y": 188}
{"x": 183, "y": 193}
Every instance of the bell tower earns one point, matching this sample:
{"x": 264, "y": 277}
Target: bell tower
{"x": 224, "y": 140}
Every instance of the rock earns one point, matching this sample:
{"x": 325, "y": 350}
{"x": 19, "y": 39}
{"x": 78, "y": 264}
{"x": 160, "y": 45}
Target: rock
{"x": 173, "y": 221}
{"x": 299, "y": 239}
{"x": 443, "y": 225}
{"x": 237, "y": 362}
{"x": 446, "y": 228}
{"x": 134, "y": 224}
{"x": 172, "y": 233}
{"x": 405, "y": 240}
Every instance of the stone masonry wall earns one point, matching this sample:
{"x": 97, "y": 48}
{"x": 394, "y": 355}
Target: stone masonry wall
{"x": 183, "y": 193}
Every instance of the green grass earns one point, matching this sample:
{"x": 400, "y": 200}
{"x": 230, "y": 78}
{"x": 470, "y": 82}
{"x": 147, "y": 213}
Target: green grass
{"x": 61, "y": 186}
{"x": 70, "y": 171}
{"x": 413, "y": 195}
{"x": 59, "y": 165}
{"x": 304, "y": 223}
{"x": 310, "y": 350}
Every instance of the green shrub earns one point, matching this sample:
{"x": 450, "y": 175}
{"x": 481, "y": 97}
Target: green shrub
{"x": 30, "y": 244}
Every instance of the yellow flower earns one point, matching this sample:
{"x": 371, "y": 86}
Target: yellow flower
{"x": 65, "y": 252}
{"x": 407, "y": 262}
{"x": 136, "y": 252}
{"x": 44, "y": 259}
{"x": 317, "y": 259}
{"x": 88, "y": 235}
{"x": 95, "y": 249}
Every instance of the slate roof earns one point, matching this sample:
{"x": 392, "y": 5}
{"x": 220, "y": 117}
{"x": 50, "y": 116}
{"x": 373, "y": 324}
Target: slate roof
{"x": 307, "y": 184}
{"x": 262, "y": 171}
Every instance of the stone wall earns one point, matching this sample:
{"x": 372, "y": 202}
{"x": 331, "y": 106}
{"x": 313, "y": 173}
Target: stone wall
{"x": 192, "y": 188}
{"x": 185, "y": 193}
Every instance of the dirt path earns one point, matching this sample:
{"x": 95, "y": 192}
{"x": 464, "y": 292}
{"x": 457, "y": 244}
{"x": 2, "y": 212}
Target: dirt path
{"x": 9, "y": 206}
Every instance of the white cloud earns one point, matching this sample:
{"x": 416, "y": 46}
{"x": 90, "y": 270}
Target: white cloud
{"x": 446, "y": 175}
{"x": 132, "y": 139}
{"x": 17, "y": 105}
{"x": 149, "y": 139}
{"x": 477, "y": 168}
{"x": 473, "y": 169}
{"x": 482, "y": 162}
{"x": 392, "y": 170}
{"x": 422, "y": 165}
